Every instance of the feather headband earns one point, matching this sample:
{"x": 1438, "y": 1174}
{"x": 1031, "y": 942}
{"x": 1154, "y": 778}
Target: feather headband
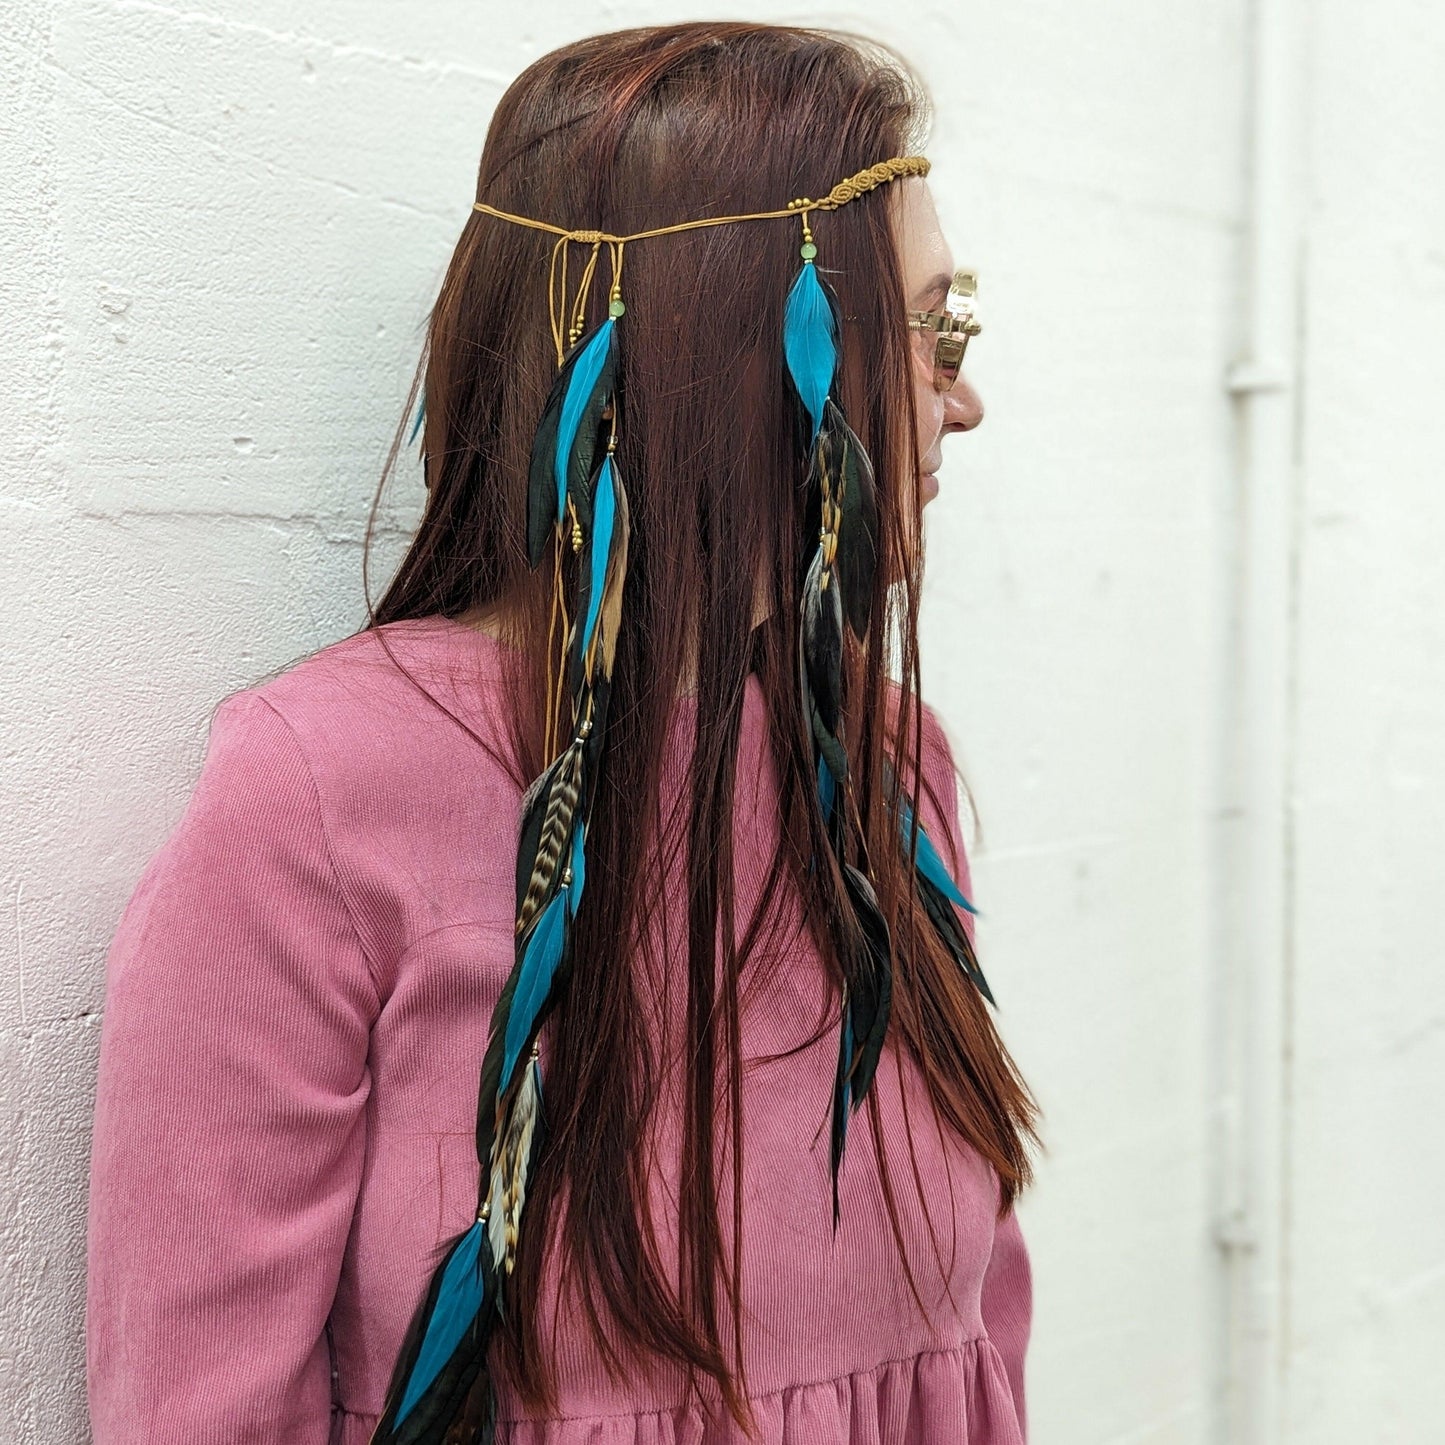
{"x": 576, "y": 497}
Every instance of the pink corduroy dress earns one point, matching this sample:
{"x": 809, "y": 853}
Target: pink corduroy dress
{"x": 297, "y": 999}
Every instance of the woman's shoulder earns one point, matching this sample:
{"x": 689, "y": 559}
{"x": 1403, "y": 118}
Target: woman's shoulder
{"x": 396, "y": 667}
{"x": 403, "y": 690}
{"x": 382, "y": 756}
{"x": 390, "y": 723}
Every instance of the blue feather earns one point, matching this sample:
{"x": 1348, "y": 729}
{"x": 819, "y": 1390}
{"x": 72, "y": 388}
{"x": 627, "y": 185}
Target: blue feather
{"x": 826, "y": 787}
{"x": 534, "y": 983}
{"x": 420, "y": 417}
{"x": 579, "y": 868}
{"x": 459, "y": 1301}
{"x": 809, "y": 342}
{"x": 930, "y": 864}
{"x": 604, "y": 509}
{"x": 585, "y": 371}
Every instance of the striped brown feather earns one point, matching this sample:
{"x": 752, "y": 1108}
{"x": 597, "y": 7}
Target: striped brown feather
{"x": 556, "y": 829}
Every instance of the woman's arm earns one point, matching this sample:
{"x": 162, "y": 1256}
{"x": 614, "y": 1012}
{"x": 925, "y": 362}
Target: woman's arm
{"x": 230, "y": 1127}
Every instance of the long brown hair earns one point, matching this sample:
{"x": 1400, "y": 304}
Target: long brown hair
{"x": 626, "y": 131}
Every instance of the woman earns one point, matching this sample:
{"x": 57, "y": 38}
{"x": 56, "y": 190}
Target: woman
{"x": 745, "y": 1151}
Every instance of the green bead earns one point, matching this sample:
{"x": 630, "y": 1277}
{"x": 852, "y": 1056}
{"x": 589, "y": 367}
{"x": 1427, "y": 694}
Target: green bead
{"x": 807, "y": 251}
{"x": 615, "y": 308}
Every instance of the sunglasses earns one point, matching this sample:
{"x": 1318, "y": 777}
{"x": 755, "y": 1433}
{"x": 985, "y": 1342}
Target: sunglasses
{"x": 953, "y": 326}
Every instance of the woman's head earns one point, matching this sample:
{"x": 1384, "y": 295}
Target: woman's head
{"x": 647, "y": 128}
{"x": 625, "y": 132}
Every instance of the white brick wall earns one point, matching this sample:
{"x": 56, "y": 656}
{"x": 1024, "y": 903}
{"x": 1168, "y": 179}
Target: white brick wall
{"x": 220, "y": 230}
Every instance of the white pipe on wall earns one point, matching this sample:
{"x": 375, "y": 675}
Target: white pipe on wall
{"x": 1256, "y": 866}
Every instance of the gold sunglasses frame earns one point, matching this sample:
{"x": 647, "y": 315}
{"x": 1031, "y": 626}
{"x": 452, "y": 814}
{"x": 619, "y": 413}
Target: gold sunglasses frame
{"x": 954, "y": 325}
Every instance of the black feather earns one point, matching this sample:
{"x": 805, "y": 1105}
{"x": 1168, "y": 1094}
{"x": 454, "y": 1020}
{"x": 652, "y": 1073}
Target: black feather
{"x": 872, "y": 986}
{"x": 491, "y": 1075}
{"x": 856, "y": 492}
{"x": 836, "y": 307}
{"x": 821, "y": 644}
{"x": 600, "y": 693}
{"x": 826, "y": 743}
{"x": 945, "y": 919}
{"x": 476, "y": 1424}
{"x": 840, "y": 1102}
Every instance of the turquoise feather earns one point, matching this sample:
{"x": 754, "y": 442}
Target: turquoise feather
{"x": 585, "y": 372}
{"x": 579, "y": 868}
{"x": 534, "y": 981}
{"x": 420, "y": 417}
{"x": 810, "y": 344}
{"x": 459, "y": 1301}
{"x": 930, "y": 864}
{"x": 826, "y": 787}
{"x": 604, "y": 510}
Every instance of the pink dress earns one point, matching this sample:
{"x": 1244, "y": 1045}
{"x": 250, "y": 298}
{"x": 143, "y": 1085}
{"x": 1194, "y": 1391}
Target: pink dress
{"x": 297, "y": 998}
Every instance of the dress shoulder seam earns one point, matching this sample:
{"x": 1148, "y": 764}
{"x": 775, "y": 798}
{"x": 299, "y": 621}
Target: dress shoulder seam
{"x": 341, "y": 889}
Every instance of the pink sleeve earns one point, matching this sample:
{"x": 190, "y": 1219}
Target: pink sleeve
{"x": 230, "y": 1126}
{"x": 1007, "y": 1299}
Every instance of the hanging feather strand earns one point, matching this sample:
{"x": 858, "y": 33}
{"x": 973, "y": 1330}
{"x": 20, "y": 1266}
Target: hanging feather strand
{"x": 574, "y": 495}
{"x": 837, "y": 591}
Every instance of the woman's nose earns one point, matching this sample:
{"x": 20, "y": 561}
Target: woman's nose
{"x": 962, "y": 406}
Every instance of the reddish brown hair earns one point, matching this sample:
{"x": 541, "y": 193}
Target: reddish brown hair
{"x": 622, "y": 132}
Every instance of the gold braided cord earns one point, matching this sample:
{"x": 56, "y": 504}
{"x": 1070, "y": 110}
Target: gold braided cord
{"x": 866, "y": 180}
{"x": 558, "y": 306}
{"x": 845, "y": 191}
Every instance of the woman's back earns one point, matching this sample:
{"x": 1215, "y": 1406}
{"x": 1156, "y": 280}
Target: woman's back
{"x": 297, "y": 1000}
